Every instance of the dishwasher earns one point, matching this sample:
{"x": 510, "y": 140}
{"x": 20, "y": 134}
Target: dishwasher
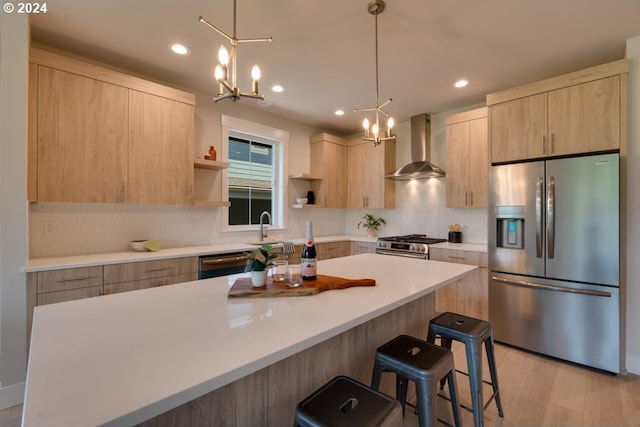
{"x": 221, "y": 265}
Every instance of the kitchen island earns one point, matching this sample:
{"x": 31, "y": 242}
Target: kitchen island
{"x": 188, "y": 355}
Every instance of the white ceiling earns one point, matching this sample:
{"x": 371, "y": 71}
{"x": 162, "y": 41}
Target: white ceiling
{"x": 323, "y": 51}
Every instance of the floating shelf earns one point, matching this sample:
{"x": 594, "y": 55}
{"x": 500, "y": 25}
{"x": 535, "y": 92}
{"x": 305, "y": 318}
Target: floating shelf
{"x": 210, "y": 203}
{"x": 305, "y": 177}
{"x": 305, "y": 206}
{"x": 210, "y": 164}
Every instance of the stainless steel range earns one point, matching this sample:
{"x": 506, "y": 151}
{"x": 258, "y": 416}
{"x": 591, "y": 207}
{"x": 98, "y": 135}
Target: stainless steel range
{"x": 411, "y": 245}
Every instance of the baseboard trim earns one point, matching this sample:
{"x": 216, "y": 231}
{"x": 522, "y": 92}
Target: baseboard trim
{"x": 11, "y": 395}
{"x": 633, "y": 365}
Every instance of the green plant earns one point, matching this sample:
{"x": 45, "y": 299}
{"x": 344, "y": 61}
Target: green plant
{"x": 260, "y": 258}
{"x": 370, "y": 222}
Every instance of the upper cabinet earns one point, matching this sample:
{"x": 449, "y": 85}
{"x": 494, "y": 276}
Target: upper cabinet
{"x": 368, "y": 165}
{"x": 577, "y": 113}
{"x": 101, "y": 136}
{"x": 467, "y": 159}
{"x": 328, "y": 155}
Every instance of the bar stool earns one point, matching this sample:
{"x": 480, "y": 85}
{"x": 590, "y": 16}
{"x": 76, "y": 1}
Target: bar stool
{"x": 472, "y": 332}
{"x": 425, "y": 364}
{"x": 344, "y": 402}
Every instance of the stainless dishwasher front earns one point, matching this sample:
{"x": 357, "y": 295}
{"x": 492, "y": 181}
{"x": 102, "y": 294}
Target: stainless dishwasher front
{"x": 221, "y": 265}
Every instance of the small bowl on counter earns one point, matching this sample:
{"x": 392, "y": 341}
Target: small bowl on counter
{"x": 302, "y": 201}
{"x": 145, "y": 245}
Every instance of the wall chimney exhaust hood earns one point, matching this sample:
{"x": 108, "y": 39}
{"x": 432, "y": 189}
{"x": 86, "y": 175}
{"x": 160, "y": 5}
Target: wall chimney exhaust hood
{"x": 420, "y": 166}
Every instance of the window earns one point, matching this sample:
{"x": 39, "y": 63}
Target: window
{"x": 254, "y": 181}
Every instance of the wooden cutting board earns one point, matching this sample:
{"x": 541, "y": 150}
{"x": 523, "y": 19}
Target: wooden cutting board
{"x": 242, "y": 287}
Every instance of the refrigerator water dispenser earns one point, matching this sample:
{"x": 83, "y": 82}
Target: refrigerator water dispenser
{"x": 510, "y": 227}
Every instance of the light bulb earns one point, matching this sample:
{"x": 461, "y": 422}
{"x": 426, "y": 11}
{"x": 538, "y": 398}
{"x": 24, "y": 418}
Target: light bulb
{"x": 365, "y": 124}
{"x": 390, "y": 123}
{"x": 223, "y": 55}
{"x": 219, "y": 73}
{"x": 374, "y": 129}
{"x": 255, "y": 73}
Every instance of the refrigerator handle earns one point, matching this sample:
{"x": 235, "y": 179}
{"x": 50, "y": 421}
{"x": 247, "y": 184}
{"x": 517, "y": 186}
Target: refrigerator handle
{"x": 534, "y": 285}
{"x": 551, "y": 223}
{"x": 539, "y": 218}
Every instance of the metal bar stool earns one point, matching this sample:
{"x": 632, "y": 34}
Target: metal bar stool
{"x": 425, "y": 364}
{"x": 472, "y": 332}
{"x": 344, "y": 402}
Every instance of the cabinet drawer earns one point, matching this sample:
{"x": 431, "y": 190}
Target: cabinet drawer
{"x": 333, "y": 249}
{"x": 459, "y": 257}
{"x": 119, "y": 273}
{"x": 362, "y": 248}
{"x": 69, "y": 295}
{"x": 149, "y": 283}
{"x": 72, "y": 278}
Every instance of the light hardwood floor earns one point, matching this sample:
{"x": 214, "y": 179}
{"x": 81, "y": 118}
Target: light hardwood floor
{"x": 536, "y": 391}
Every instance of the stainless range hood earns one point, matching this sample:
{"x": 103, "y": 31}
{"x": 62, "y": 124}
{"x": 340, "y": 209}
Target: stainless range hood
{"x": 420, "y": 166}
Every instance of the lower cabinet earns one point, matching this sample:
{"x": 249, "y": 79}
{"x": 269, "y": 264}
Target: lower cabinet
{"x": 333, "y": 249}
{"x": 148, "y": 274}
{"x": 363, "y": 248}
{"x": 468, "y": 296}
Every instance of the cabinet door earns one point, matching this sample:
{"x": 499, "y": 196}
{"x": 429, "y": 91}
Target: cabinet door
{"x": 357, "y": 161}
{"x": 381, "y": 160}
{"x": 458, "y": 162}
{"x": 127, "y": 272}
{"x": 478, "y": 163}
{"x": 585, "y": 118}
{"x": 82, "y": 139}
{"x": 335, "y": 175}
{"x": 519, "y": 129}
{"x": 160, "y": 150}
{"x": 362, "y": 248}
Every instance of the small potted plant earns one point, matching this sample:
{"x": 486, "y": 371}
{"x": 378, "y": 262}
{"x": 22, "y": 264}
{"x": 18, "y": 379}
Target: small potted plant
{"x": 371, "y": 224}
{"x": 260, "y": 259}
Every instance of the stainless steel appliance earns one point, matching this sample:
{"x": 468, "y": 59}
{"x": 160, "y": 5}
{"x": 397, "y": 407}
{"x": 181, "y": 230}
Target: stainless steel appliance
{"x": 410, "y": 245}
{"x": 554, "y": 258}
{"x": 221, "y": 265}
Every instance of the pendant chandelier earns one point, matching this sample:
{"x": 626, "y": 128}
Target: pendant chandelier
{"x": 225, "y": 71}
{"x": 375, "y": 7}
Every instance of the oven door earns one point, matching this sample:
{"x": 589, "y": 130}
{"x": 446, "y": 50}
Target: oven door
{"x": 401, "y": 253}
{"x": 222, "y": 265}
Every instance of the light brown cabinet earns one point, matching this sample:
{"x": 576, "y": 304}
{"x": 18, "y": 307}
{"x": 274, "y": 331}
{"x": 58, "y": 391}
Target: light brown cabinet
{"x": 363, "y": 248}
{"x": 101, "y": 136}
{"x": 467, "y": 159}
{"x": 577, "y": 113}
{"x": 331, "y": 250}
{"x": 469, "y": 295}
{"x": 147, "y": 274}
{"x": 328, "y": 155}
{"x": 368, "y": 166}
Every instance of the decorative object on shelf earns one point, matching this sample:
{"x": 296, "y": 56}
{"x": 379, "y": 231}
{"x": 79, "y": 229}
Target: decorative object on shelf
{"x": 371, "y": 224}
{"x": 260, "y": 259}
{"x": 311, "y": 198}
{"x": 375, "y": 7}
{"x": 212, "y": 153}
{"x": 455, "y": 233}
{"x": 227, "y": 89}
{"x": 302, "y": 201}
{"x": 145, "y": 245}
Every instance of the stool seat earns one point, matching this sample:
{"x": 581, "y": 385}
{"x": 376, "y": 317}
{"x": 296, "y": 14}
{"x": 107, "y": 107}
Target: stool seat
{"x": 345, "y": 402}
{"x": 473, "y": 333}
{"x": 425, "y": 364}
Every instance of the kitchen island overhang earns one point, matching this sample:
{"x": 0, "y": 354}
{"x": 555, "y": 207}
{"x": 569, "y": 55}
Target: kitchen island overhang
{"x": 126, "y": 358}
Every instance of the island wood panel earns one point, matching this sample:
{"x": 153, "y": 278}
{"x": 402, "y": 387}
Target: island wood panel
{"x": 269, "y": 396}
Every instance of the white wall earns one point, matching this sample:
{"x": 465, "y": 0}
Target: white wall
{"x": 633, "y": 209}
{"x": 14, "y": 43}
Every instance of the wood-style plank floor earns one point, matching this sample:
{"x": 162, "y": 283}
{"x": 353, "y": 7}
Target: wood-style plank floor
{"x": 536, "y": 391}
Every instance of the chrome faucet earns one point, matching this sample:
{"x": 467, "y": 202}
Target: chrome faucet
{"x": 263, "y": 229}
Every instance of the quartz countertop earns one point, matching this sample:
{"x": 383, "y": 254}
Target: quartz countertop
{"x": 75, "y": 261}
{"x": 120, "y": 359}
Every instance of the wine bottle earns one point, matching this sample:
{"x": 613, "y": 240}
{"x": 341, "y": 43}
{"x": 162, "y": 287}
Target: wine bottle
{"x": 309, "y": 257}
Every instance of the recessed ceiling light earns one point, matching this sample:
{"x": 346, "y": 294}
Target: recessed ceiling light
{"x": 180, "y": 49}
{"x": 277, "y": 88}
{"x": 339, "y": 113}
{"x": 461, "y": 83}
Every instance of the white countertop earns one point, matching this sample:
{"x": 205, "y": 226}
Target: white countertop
{"x": 75, "y": 261}
{"x": 124, "y": 358}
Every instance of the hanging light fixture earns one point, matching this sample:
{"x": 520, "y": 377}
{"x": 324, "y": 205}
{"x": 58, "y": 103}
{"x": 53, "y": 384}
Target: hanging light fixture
{"x": 375, "y": 7}
{"x": 227, "y": 87}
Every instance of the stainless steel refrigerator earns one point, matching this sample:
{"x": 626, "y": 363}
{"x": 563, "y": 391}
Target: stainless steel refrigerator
{"x": 554, "y": 269}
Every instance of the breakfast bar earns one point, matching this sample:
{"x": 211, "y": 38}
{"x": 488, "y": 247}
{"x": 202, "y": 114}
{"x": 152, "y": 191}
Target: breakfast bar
{"x": 187, "y": 355}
